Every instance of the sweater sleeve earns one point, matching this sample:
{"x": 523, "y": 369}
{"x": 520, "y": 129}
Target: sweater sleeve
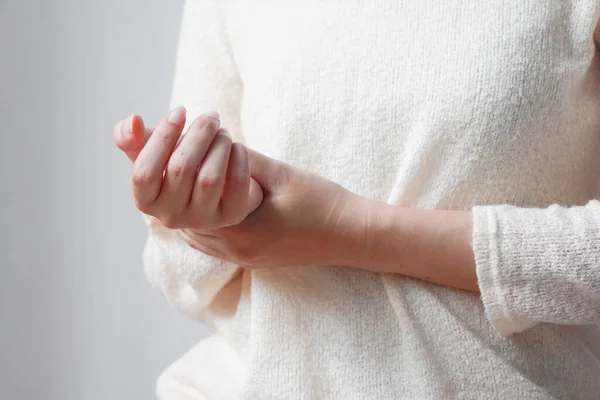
{"x": 205, "y": 79}
{"x": 538, "y": 265}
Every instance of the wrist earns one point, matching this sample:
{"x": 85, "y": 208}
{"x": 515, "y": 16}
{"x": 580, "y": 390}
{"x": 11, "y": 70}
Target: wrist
{"x": 381, "y": 236}
{"x": 351, "y": 234}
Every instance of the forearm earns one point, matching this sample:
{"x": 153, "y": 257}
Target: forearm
{"x": 431, "y": 245}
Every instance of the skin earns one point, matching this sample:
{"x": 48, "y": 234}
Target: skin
{"x": 234, "y": 203}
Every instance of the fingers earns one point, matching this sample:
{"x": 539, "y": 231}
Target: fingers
{"x": 234, "y": 202}
{"x": 152, "y": 160}
{"x": 209, "y": 184}
{"x": 183, "y": 165}
{"x": 207, "y": 244}
{"x": 131, "y": 135}
{"x": 200, "y": 179}
{"x": 268, "y": 173}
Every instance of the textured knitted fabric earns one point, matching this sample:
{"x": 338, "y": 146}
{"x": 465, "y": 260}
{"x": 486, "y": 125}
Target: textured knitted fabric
{"x": 489, "y": 106}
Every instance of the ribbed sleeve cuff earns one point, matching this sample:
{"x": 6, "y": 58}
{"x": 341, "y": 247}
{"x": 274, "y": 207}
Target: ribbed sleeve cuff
{"x": 493, "y": 284}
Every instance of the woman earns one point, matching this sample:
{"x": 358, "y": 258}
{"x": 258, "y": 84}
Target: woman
{"x": 425, "y": 170}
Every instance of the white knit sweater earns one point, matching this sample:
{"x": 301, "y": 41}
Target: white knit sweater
{"x": 457, "y": 104}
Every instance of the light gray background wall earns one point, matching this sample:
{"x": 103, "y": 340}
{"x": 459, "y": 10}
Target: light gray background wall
{"x": 77, "y": 318}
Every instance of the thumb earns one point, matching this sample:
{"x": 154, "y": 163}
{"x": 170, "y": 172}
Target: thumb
{"x": 255, "y": 196}
{"x": 267, "y": 172}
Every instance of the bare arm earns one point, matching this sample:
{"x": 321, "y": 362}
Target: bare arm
{"x": 531, "y": 265}
{"x": 430, "y": 245}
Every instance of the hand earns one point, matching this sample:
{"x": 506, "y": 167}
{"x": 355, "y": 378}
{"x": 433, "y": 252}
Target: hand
{"x": 303, "y": 220}
{"x": 199, "y": 180}
{"x": 297, "y": 223}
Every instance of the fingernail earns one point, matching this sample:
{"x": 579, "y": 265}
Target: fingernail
{"x": 214, "y": 115}
{"x": 130, "y": 124}
{"x": 177, "y": 116}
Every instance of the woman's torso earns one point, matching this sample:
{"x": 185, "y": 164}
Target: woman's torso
{"x": 434, "y": 104}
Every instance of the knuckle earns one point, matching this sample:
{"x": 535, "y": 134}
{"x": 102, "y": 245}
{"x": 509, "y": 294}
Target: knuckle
{"x": 141, "y": 178}
{"x": 208, "y": 181}
{"x": 181, "y": 169}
